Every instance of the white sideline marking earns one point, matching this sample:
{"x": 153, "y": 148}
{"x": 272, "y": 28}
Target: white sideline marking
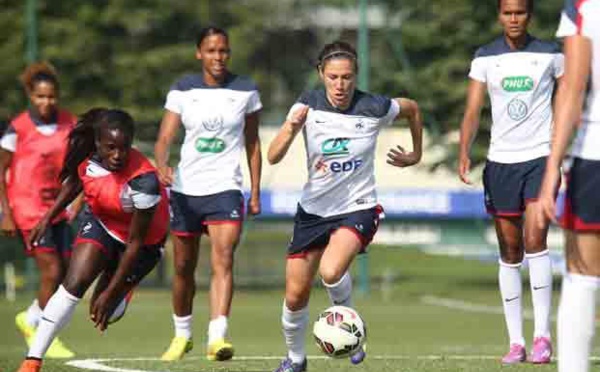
{"x": 97, "y": 364}
{"x": 471, "y": 307}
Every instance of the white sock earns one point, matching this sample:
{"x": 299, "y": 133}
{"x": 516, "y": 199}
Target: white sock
{"x": 294, "y": 330}
{"x": 509, "y": 278}
{"x": 183, "y": 326}
{"x": 540, "y": 278}
{"x": 340, "y": 293}
{"x": 217, "y": 329}
{"x": 34, "y": 313}
{"x": 576, "y": 316}
{"x": 56, "y": 315}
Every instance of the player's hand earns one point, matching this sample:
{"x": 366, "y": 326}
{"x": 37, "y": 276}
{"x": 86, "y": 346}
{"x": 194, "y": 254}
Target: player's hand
{"x": 398, "y": 157}
{"x": 7, "y": 225}
{"x": 37, "y": 233}
{"x": 165, "y": 175}
{"x": 101, "y": 309}
{"x": 254, "y": 205}
{"x": 464, "y": 168}
{"x": 546, "y": 203}
{"x": 299, "y": 117}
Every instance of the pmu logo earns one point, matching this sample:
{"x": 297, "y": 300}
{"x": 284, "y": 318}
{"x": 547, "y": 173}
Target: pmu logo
{"x": 517, "y": 84}
{"x": 335, "y": 146}
{"x": 212, "y": 145}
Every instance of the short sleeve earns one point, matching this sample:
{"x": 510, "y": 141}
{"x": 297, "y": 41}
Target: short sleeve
{"x": 145, "y": 191}
{"x": 296, "y": 106}
{"x": 568, "y": 20}
{"x": 9, "y": 139}
{"x": 174, "y": 101}
{"x": 478, "y": 69}
{"x": 392, "y": 113}
{"x": 254, "y": 103}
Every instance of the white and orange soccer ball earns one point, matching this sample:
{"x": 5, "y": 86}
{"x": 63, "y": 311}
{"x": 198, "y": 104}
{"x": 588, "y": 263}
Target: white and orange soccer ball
{"x": 339, "y": 331}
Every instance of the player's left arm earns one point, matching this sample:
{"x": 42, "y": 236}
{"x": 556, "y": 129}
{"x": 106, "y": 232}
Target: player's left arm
{"x": 254, "y": 157}
{"x": 409, "y": 110}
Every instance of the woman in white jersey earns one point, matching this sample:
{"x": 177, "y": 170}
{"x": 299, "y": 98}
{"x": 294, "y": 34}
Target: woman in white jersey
{"x": 219, "y": 112}
{"x": 579, "y": 105}
{"x": 520, "y": 73}
{"x": 338, "y": 213}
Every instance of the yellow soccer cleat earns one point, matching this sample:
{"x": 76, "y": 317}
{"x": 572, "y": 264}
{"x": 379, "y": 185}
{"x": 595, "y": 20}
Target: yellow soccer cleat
{"x": 219, "y": 350}
{"x": 179, "y": 346}
{"x": 24, "y": 327}
{"x": 58, "y": 350}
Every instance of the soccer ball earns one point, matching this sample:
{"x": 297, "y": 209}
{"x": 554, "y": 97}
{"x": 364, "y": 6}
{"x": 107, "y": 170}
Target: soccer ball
{"x": 339, "y": 331}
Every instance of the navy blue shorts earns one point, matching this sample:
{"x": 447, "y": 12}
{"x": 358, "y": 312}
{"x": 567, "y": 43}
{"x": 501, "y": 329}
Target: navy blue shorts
{"x": 509, "y": 187}
{"x": 57, "y": 238}
{"x": 582, "y": 201}
{"x": 313, "y": 232}
{"x": 191, "y": 214}
{"x": 91, "y": 231}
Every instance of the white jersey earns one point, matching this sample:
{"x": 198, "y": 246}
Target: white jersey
{"x": 583, "y": 18}
{"x": 214, "y": 119}
{"x": 340, "y": 147}
{"x": 520, "y": 84}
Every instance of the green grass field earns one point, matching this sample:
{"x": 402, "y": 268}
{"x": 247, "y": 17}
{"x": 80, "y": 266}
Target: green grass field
{"x": 439, "y": 314}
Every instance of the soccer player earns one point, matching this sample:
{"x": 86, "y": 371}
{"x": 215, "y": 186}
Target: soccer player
{"x": 122, "y": 231}
{"x": 338, "y": 213}
{"x": 219, "y": 112}
{"x": 32, "y": 150}
{"x": 520, "y": 73}
{"x": 579, "y": 105}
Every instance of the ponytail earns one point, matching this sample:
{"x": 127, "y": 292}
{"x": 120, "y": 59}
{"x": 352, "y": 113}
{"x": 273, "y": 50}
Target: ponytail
{"x": 81, "y": 142}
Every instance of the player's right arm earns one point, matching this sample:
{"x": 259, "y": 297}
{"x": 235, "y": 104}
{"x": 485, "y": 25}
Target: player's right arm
{"x": 469, "y": 126}
{"x": 168, "y": 130}
{"x": 288, "y": 131}
{"x": 8, "y": 224}
{"x": 71, "y": 188}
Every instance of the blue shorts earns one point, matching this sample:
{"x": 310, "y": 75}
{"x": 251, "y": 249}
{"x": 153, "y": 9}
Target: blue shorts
{"x": 91, "y": 231}
{"x": 313, "y": 232}
{"x": 191, "y": 214}
{"x": 582, "y": 201}
{"x": 57, "y": 238}
{"x": 509, "y": 187}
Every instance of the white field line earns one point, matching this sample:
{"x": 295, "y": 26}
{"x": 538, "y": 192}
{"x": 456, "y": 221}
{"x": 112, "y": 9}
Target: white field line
{"x": 471, "y": 307}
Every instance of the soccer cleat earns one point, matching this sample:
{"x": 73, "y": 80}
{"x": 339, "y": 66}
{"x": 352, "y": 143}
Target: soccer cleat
{"x": 30, "y": 365}
{"x": 121, "y": 308}
{"x": 58, "y": 350}
{"x": 219, "y": 350}
{"x": 359, "y": 356}
{"x": 179, "y": 346}
{"x": 27, "y": 330}
{"x": 288, "y": 366}
{"x": 516, "y": 354}
{"x": 542, "y": 351}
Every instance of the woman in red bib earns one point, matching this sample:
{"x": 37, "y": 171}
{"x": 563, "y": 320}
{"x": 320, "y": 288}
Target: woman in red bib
{"x": 32, "y": 151}
{"x": 122, "y": 230}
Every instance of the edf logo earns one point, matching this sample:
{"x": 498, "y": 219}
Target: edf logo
{"x": 345, "y": 166}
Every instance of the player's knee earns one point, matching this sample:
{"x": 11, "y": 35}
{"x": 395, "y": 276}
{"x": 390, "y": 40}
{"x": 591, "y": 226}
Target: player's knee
{"x": 184, "y": 268}
{"x": 534, "y": 244}
{"x": 296, "y": 300}
{"x": 74, "y": 286}
{"x": 53, "y": 274}
{"x": 331, "y": 275}
{"x": 512, "y": 257}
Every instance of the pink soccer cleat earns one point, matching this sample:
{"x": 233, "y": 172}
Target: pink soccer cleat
{"x": 517, "y": 354}
{"x": 542, "y": 351}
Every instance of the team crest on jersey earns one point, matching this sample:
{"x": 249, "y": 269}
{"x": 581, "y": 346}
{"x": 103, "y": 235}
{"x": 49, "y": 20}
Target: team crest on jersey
{"x": 213, "y": 124}
{"x": 517, "y": 109}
